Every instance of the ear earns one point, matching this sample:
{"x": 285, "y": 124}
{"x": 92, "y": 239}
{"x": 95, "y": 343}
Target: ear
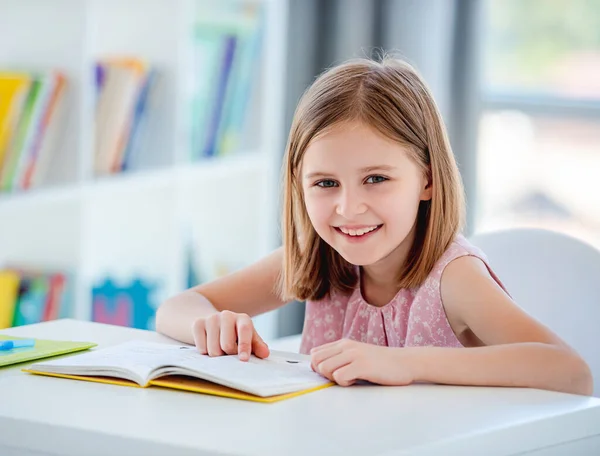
{"x": 427, "y": 188}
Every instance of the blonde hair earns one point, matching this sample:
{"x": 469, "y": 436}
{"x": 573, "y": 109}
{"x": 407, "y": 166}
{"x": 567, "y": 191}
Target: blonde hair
{"x": 390, "y": 97}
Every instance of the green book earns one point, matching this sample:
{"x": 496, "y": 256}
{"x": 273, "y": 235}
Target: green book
{"x": 41, "y": 349}
{"x": 16, "y": 148}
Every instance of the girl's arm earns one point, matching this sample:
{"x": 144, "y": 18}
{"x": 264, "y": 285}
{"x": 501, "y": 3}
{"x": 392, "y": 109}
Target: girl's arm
{"x": 250, "y": 290}
{"x": 519, "y": 351}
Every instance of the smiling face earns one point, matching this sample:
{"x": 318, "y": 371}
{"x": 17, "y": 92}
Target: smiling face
{"x": 362, "y": 193}
{"x": 365, "y": 139}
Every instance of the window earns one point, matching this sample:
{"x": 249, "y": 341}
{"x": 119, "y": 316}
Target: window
{"x": 538, "y": 158}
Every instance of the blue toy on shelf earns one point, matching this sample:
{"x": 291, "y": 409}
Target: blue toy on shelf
{"x": 131, "y": 305}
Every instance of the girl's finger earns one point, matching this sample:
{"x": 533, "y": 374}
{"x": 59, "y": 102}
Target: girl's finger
{"x": 324, "y": 346}
{"x": 199, "y": 335}
{"x": 228, "y": 336}
{"x": 244, "y": 330}
{"x": 321, "y": 355}
{"x": 259, "y": 346}
{"x": 330, "y": 365}
{"x": 213, "y": 335}
{"x": 346, "y": 375}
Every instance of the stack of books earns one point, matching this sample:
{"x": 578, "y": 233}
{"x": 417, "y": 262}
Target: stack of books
{"x": 31, "y": 121}
{"x": 31, "y": 296}
{"x": 123, "y": 92}
{"x": 227, "y": 45}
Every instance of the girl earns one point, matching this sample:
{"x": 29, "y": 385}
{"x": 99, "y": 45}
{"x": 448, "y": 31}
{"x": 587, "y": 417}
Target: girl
{"x": 373, "y": 208}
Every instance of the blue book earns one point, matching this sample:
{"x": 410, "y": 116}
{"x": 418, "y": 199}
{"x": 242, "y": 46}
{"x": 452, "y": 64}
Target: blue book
{"x": 99, "y": 77}
{"x": 208, "y": 44}
{"x": 140, "y": 116}
{"x": 245, "y": 71}
{"x": 211, "y": 136}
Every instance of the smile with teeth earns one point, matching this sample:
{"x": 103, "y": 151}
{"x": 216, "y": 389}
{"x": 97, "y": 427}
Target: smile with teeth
{"x": 359, "y": 231}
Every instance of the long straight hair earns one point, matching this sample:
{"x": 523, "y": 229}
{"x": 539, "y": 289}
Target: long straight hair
{"x": 392, "y": 98}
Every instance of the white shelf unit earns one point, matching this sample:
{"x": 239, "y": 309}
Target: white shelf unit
{"x": 140, "y": 222}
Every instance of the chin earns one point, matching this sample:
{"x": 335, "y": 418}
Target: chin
{"x": 360, "y": 259}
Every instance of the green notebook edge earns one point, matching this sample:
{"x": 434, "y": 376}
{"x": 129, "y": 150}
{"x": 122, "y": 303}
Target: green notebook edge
{"x": 44, "y": 348}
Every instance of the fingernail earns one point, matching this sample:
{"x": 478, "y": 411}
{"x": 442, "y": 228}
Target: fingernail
{"x": 244, "y": 355}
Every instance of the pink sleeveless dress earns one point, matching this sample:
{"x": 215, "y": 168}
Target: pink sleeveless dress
{"x": 413, "y": 318}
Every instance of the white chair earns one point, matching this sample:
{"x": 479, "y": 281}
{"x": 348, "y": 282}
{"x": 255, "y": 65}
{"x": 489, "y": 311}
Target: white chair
{"x": 556, "y": 279}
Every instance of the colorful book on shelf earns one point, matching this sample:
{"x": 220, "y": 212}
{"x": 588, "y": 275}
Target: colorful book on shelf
{"x": 207, "y": 52}
{"x": 122, "y": 92}
{"x": 143, "y": 106}
{"x": 41, "y": 349}
{"x": 14, "y": 88}
{"x": 40, "y": 94}
{"x": 148, "y": 364}
{"x": 100, "y": 76}
{"x": 55, "y": 297}
{"x": 18, "y": 143}
{"x": 31, "y": 296}
{"x": 141, "y": 70}
{"x": 114, "y": 104}
{"x": 243, "y": 80}
{"x": 9, "y": 292}
{"x": 227, "y": 46}
{"x": 45, "y": 134}
{"x": 229, "y": 50}
{"x": 29, "y": 308}
{"x": 28, "y": 126}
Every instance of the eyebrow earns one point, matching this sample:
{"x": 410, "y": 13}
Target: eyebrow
{"x": 367, "y": 169}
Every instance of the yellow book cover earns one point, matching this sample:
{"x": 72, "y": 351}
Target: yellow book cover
{"x": 13, "y": 89}
{"x": 9, "y": 291}
{"x": 147, "y": 364}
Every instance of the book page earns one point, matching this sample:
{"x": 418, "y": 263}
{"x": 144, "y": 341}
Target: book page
{"x": 137, "y": 357}
{"x": 277, "y": 374}
{"x": 142, "y": 361}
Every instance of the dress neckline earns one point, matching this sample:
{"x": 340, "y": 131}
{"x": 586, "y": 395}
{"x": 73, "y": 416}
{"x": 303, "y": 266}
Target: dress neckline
{"x": 357, "y": 294}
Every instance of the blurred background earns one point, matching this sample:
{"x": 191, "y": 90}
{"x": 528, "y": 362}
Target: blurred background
{"x": 141, "y": 140}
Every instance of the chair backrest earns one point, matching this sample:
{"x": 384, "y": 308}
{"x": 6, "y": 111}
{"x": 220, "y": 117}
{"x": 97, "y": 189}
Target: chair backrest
{"x": 556, "y": 279}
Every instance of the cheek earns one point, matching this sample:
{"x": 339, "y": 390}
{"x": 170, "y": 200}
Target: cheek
{"x": 318, "y": 209}
{"x": 398, "y": 207}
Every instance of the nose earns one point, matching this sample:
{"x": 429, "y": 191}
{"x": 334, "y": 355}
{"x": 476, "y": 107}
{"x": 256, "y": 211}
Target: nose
{"x": 350, "y": 203}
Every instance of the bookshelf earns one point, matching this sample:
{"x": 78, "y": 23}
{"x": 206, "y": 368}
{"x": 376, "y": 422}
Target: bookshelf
{"x": 143, "y": 221}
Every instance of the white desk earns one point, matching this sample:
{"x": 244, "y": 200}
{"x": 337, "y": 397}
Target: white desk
{"x": 43, "y": 415}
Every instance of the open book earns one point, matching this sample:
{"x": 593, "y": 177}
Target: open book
{"x": 139, "y": 363}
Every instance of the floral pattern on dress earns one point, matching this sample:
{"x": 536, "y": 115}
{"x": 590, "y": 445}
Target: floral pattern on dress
{"x": 413, "y": 318}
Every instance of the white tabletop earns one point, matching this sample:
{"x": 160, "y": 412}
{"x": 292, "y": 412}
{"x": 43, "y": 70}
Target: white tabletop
{"x": 43, "y": 415}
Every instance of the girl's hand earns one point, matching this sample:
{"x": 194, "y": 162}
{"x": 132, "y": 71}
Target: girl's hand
{"x": 346, "y": 361}
{"x": 228, "y": 333}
